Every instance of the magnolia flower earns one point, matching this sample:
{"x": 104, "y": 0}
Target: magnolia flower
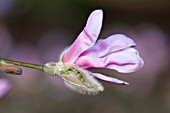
{"x": 115, "y": 52}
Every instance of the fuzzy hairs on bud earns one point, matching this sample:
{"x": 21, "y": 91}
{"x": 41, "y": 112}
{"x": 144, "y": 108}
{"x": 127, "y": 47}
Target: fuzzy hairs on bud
{"x": 73, "y": 83}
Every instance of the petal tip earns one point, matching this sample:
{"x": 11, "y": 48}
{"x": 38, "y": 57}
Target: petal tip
{"x": 109, "y": 79}
{"x": 140, "y": 64}
{"x": 120, "y": 82}
{"x": 98, "y": 12}
{"x": 125, "y": 83}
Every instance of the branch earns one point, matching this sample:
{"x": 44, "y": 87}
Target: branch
{"x": 11, "y": 66}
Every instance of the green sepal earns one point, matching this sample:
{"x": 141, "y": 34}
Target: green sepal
{"x": 77, "y": 73}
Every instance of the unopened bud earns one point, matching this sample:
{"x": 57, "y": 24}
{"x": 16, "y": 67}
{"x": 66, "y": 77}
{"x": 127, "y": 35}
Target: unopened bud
{"x": 75, "y": 78}
{"x": 10, "y": 69}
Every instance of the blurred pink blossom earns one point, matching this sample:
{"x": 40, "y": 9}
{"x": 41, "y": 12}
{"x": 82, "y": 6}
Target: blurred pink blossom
{"x": 115, "y": 52}
{"x": 4, "y": 87}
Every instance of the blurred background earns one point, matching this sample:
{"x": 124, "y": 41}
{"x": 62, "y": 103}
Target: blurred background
{"x": 37, "y": 31}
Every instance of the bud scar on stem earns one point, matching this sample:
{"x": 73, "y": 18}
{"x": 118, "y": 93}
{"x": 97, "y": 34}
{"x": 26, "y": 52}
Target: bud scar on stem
{"x": 10, "y": 69}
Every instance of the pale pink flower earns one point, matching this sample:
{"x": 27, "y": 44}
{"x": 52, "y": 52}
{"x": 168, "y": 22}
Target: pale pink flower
{"x": 115, "y": 52}
{"x": 5, "y": 86}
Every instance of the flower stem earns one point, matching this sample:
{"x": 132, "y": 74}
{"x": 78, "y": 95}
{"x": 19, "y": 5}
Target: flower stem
{"x": 23, "y": 64}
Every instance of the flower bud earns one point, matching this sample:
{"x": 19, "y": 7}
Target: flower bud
{"x": 75, "y": 78}
{"x": 10, "y": 69}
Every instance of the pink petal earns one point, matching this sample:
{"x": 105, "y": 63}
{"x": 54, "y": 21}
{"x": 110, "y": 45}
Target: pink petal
{"x": 109, "y": 45}
{"x": 125, "y": 61}
{"x": 87, "y": 38}
{"x": 109, "y": 79}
